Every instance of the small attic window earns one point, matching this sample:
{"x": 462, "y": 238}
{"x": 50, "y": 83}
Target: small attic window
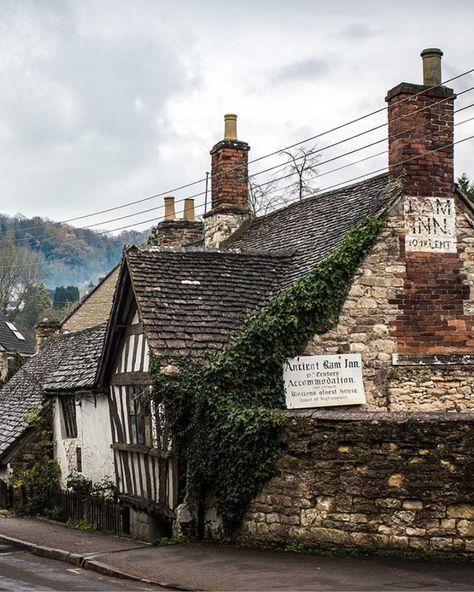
{"x": 17, "y": 333}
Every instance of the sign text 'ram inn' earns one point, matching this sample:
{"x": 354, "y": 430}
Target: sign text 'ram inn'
{"x": 323, "y": 381}
{"x": 430, "y": 225}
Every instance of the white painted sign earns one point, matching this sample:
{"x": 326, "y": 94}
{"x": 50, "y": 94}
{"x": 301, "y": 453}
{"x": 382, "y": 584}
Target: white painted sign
{"x": 323, "y": 381}
{"x": 430, "y": 225}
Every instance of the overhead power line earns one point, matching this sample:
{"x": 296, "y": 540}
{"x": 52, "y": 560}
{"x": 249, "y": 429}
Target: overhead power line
{"x": 324, "y": 189}
{"x": 281, "y": 165}
{"x": 362, "y": 117}
{"x": 319, "y": 135}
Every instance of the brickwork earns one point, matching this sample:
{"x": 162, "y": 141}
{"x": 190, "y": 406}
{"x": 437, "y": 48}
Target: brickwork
{"x": 95, "y": 308}
{"x": 176, "y": 233}
{"x": 229, "y": 175}
{"x": 380, "y": 481}
{"x": 412, "y": 134}
{"x": 382, "y": 314}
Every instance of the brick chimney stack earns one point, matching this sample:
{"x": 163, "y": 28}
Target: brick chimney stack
{"x": 229, "y": 179}
{"x": 420, "y": 120}
{"x": 172, "y": 232}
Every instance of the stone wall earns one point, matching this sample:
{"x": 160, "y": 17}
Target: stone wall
{"x": 371, "y": 324}
{"x": 218, "y": 226}
{"x": 401, "y": 481}
{"x": 95, "y": 308}
{"x": 31, "y": 448}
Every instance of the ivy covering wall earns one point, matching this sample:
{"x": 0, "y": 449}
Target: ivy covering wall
{"x": 224, "y": 411}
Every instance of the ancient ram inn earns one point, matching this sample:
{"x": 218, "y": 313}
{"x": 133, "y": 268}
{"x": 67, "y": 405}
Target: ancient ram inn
{"x": 301, "y": 377}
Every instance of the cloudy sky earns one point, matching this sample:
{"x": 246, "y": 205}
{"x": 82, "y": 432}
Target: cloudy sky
{"x": 107, "y": 101}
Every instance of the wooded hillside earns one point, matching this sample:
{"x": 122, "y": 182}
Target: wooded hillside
{"x": 68, "y": 255}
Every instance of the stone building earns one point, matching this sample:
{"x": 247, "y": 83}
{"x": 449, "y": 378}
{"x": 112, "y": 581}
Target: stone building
{"x": 94, "y": 308}
{"x": 360, "y": 476}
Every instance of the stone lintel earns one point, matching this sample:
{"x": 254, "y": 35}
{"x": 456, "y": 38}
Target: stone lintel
{"x": 432, "y": 359}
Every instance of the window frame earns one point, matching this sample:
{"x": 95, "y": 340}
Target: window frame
{"x": 69, "y": 417}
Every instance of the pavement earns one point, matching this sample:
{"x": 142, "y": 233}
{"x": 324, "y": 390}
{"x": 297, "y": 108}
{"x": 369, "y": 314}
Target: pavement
{"x": 200, "y": 566}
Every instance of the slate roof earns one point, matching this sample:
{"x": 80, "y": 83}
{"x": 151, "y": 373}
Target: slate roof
{"x": 63, "y": 363}
{"x": 9, "y": 342}
{"x": 195, "y": 301}
{"x": 314, "y": 227}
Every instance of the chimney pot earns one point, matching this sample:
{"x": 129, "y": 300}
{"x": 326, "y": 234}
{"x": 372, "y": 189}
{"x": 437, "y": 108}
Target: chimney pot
{"x": 230, "y": 126}
{"x": 188, "y": 209}
{"x": 170, "y": 213}
{"x": 431, "y": 66}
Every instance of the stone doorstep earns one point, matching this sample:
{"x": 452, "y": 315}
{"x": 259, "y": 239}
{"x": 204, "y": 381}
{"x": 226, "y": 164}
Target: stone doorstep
{"x": 85, "y": 562}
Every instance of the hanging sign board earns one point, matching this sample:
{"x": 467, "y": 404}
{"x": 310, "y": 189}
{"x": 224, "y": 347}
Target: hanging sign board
{"x": 323, "y": 381}
{"x": 430, "y": 225}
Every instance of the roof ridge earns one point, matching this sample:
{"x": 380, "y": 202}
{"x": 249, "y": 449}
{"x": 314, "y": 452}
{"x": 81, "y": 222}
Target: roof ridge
{"x": 212, "y": 252}
{"x": 306, "y": 200}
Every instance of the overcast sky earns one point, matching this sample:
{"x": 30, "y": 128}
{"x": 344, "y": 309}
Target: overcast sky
{"x": 104, "y": 102}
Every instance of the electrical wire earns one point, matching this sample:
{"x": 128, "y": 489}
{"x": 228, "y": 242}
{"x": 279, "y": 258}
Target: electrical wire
{"x": 320, "y": 150}
{"x": 328, "y": 188}
{"x": 341, "y": 126}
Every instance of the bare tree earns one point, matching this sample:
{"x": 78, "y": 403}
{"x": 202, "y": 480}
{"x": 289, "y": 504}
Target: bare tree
{"x": 19, "y": 271}
{"x": 302, "y": 164}
{"x": 300, "y": 169}
{"x": 265, "y": 198}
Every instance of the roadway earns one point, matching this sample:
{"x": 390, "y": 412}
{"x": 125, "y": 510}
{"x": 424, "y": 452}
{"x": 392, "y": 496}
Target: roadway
{"x": 22, "y": 571}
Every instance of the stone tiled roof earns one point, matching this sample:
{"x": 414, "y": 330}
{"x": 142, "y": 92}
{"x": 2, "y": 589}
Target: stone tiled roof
{"x": 9, "y": 342}
{"x": 77, "y": 367}
{"x": 64, "y": 363}
{"x": 195, "y": 301}
{"x": 314, "y": 227}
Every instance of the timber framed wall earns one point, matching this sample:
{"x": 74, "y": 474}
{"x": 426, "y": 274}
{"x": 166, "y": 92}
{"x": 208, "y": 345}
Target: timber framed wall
{"x": 145, "y": 465}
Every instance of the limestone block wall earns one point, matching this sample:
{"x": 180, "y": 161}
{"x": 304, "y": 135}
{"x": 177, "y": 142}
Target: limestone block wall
{"x": 95, "y": 308}
{"x": 372, "y": 323}
{"x": 400, "y": 481}
{"x": 219, "y": 226}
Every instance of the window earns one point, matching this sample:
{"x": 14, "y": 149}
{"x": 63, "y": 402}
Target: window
{"x": 79, "y": 460}
{"x": 17, "y": 333}
{"x": 68, "y": 405}
{"x": 137, "y": 419}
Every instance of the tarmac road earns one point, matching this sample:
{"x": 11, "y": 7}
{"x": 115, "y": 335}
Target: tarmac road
{"x": 22, "y": 571}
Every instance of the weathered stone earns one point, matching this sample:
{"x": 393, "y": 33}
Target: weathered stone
{"x": 466, "y": 528}
{"x": 461, "y": 511}
{"x": 441, "y": 544}
{"x": 397, "y": 480}
{"x": 413, "y": 505}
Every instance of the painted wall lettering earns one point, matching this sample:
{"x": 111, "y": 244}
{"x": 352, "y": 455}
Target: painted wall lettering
{"x": 430, "y": 225}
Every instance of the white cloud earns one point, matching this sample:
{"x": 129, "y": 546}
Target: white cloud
{"x": 104, "y": 102}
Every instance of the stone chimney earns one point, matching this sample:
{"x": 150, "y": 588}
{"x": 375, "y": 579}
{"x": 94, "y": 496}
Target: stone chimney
{"x": 44, "y": 330}
{"x": 172, "y": 232}
{"x": 229, "y": 179}
{"x": 420, "y": 120}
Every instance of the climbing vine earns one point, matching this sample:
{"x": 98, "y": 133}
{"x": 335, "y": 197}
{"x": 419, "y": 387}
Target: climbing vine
{"x": 224, "y": 411}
